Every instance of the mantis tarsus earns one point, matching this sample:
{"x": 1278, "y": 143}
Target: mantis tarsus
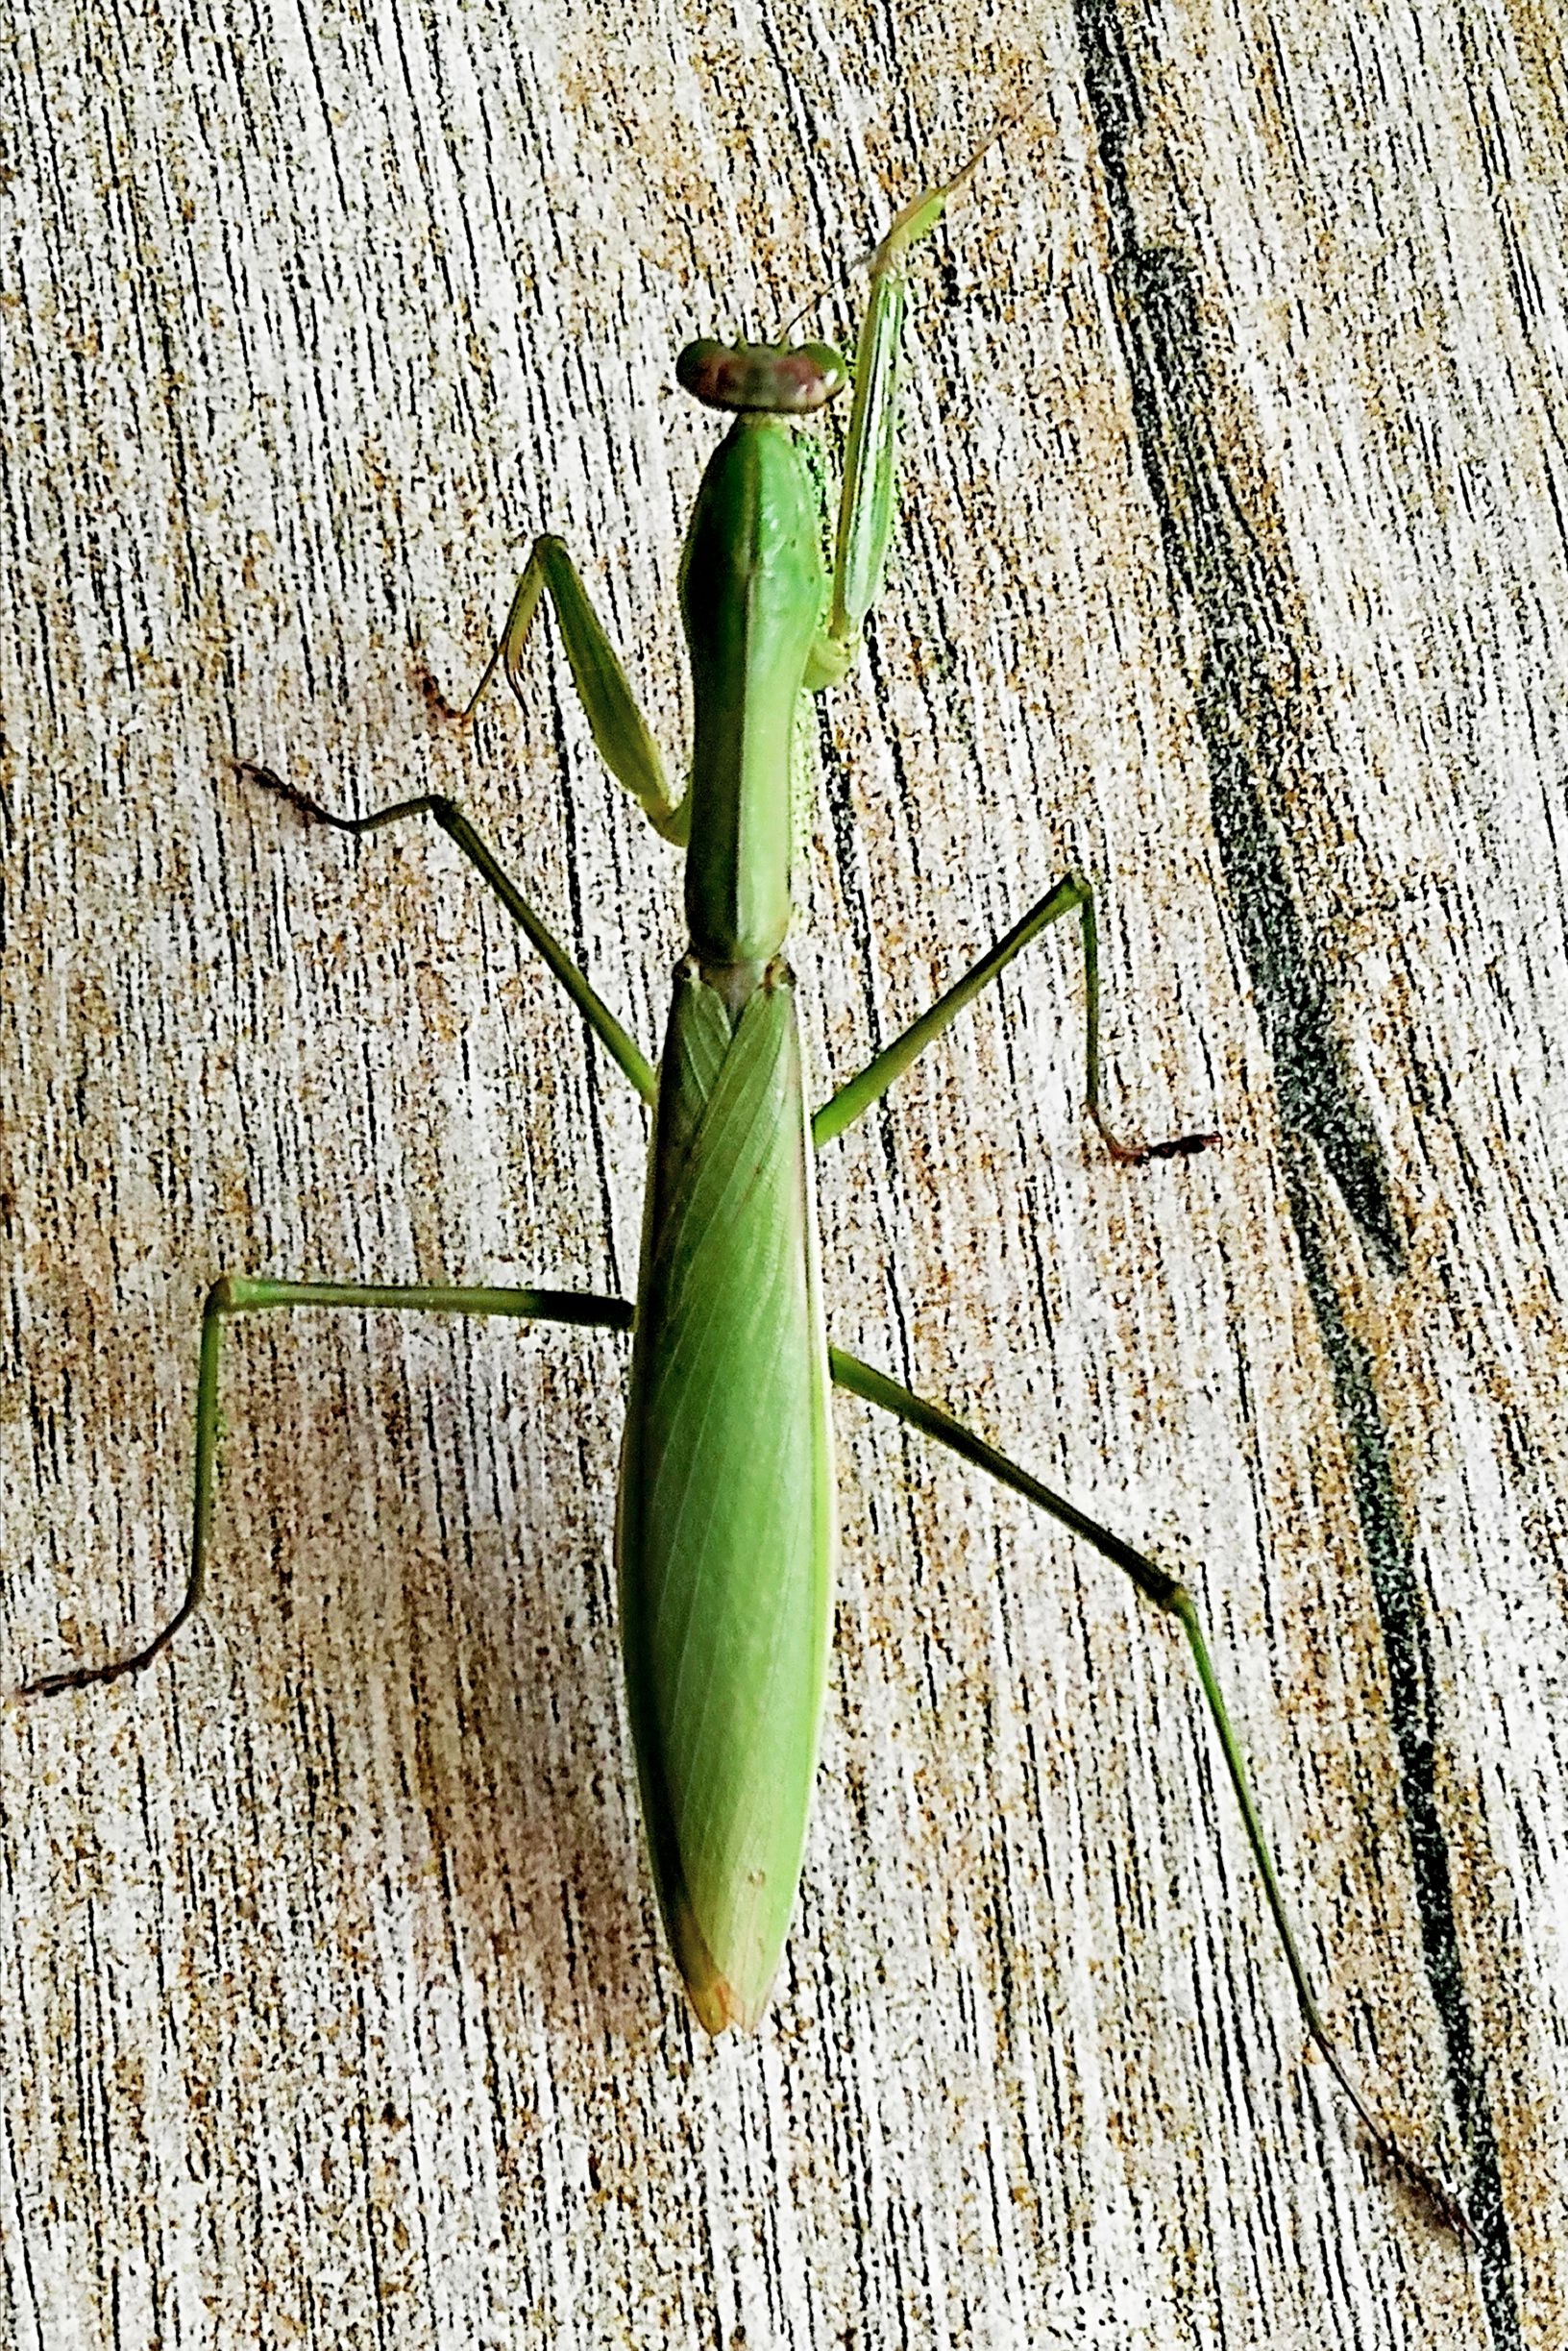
{"x": 725, "y": 1523}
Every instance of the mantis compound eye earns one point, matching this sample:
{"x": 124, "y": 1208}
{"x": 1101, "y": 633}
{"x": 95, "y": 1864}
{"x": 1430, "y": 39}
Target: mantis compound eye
{"x": 762, "y": 377}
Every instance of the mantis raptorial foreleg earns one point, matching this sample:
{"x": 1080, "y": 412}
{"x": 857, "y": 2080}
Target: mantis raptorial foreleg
{"x": 1072, "y": 896}
{"x": 621, "y": 1048}
{"x": 619, "y": 731}
{"x": 868, "y": 495}
{"x": 238, "y": 1295}
{"x": 1169, "y": 1593}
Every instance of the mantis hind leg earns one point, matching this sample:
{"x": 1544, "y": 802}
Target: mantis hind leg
{"x": 1072, "y": 896}
{"x": 1169, "y": 1594}
{"x": 235, "y": 1295}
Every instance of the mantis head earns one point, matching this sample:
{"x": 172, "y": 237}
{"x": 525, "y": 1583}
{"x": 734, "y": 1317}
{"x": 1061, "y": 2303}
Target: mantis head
{"x": 766, "y": 378}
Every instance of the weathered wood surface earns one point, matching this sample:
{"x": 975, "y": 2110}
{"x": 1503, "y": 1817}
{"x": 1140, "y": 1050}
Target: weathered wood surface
{"x": 1232, "y": 567}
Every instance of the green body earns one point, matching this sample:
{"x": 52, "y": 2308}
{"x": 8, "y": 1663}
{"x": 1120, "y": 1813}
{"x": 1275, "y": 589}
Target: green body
{"x": 726, "y": 1525}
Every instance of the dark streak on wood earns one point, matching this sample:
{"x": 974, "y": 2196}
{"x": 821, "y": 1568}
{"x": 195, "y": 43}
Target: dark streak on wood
{"x": 1253, "y": 699}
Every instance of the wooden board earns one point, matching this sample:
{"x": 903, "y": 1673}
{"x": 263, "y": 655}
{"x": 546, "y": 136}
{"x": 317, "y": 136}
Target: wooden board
{"x": 1233, "y": 569}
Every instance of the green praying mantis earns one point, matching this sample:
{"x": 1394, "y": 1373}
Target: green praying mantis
{"x": 726, "y": 1521}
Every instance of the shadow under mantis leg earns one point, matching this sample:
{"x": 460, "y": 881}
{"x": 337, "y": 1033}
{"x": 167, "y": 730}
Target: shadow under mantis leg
{"x": 1169, "y": 1594}
{"x": 234, "y": 1295}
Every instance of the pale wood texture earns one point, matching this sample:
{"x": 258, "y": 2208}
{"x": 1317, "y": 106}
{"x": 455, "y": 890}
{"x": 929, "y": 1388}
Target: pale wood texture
{"x": 1232, "y": 567}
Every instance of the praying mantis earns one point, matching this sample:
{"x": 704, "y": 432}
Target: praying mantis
{"x": 725, "y": 1526}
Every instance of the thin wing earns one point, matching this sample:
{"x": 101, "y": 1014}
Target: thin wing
{"x": 725, "y": 1531}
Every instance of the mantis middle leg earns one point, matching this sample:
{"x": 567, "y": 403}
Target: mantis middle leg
{"x": 623, "y": 1049}
{"x": 1072, "y": 896}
